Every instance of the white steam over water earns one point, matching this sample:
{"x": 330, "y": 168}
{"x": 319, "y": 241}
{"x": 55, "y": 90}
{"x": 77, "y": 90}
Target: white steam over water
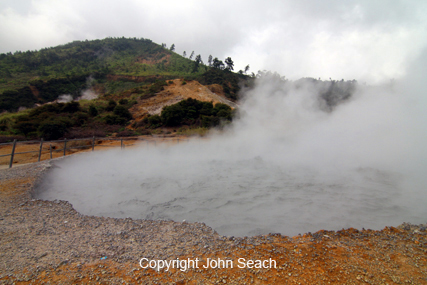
{"x": 285, "y": 166}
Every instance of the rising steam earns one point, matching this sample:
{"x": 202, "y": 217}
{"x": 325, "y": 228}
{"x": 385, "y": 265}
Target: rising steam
{"x": 292, "y": 162}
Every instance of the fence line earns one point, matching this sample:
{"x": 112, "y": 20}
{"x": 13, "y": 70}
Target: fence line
{"x": 51, "y": 150}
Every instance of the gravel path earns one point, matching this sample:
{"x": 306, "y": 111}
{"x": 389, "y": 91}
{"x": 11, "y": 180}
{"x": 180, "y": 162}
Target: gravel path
{"x": 48, "y": 241}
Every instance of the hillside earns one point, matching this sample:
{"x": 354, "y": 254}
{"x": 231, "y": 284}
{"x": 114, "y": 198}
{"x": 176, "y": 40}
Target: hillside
{"x": 116, "y": 64}
{"x": 132, "y": 57}
{"x": 95, "y": 73}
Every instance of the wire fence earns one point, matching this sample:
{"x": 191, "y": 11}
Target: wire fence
{"x": 43, "y": 150}
{"x": 56, "y": 148}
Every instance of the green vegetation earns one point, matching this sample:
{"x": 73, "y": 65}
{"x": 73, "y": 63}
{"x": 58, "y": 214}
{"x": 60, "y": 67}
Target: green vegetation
{"x": 122, "y": 71}
{"x": 115, "y": 65}
{"x": 228, "y": 80}
{"x": 70, "y": 120}
{"x": 191, "y": 112}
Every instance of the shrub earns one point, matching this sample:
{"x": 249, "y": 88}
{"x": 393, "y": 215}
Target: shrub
{"x": 122, "y": 112}
{"x": 111, "y": 105}
{"x": 26, "y": 127}
{"x": 80, "y": 118}
{"x": 123, "y": 101}
{"x": 221, "y": 106}
{"x": 11, "y": 100}
{"x": 154, "y": 121}
{"x": 115, "y": 120}
{"x": 93, "y": 111}
{"x": 71, "y": 107}
{"x": 209, "y": 121}
{"x": 51, "y": 129}
{"x": 224, "y": 114}
{"x": 172, "y": 115}
{"x": 158, "y": 86}
{"x": 55, "y": 108}
{"x": 206, "y": 109}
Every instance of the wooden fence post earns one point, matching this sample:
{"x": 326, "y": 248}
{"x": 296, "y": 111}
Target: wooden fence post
{"x": 12, "y": 154}
{"x": 65, "y": 146}
{"x": 41, "y": 146}
{"x": 93, "y": 143}
{"x": 50, "y": 148}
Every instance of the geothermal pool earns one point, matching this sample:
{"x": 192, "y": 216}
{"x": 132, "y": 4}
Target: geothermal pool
{"x": 284, "y": 165}
{"x": 238, "y": 196}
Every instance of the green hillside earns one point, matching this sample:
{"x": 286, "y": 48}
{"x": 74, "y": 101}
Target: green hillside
{"x": 41, "y": 76}
{"x": 122, "y": 56}
{"x": 117, "y": 69}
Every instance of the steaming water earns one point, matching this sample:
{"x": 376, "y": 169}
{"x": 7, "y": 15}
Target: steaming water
{"x": 236, "y": 197}
{"x": 286, "y": 166}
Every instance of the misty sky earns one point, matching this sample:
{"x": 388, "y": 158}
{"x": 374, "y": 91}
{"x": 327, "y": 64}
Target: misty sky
{"x": 369, "y": 40}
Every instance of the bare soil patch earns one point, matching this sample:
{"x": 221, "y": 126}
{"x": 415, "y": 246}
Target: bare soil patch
{"x": 176, "y": 92}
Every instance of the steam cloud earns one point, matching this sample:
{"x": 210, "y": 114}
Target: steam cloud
{"x": 86, "y": 94}
{"x": 286, "y": 165}
{"x": 64, "y": 98}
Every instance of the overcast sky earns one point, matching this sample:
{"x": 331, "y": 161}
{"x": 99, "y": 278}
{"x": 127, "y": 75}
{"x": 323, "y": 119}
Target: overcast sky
{"x": 373, "y": 40}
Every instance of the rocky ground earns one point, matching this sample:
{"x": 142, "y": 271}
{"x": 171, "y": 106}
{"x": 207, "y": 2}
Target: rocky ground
{"x": 48, "y": 242}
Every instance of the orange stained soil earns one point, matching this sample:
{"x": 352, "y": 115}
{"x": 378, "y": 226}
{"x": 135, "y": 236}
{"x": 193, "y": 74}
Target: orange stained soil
{"x": 349, "y": 256}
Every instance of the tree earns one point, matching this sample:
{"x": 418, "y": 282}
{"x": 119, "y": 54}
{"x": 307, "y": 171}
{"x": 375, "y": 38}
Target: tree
{"x": 197, "y": 62}
{"x": 230, "y": 64}
{"x": 172, "y": 48}
{"x": 218, "y": 63}
{"x": 184, "y": 54}
{"x": 246, "y": 68}
{"x": 191, "y": 55}
{"x": 163, "y": 45}
{"x": 210, "y": 60}
{"x": 199, "y": 58}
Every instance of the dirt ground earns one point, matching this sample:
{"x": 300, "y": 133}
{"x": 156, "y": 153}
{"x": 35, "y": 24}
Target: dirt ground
{"x": 48, "y": 242}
